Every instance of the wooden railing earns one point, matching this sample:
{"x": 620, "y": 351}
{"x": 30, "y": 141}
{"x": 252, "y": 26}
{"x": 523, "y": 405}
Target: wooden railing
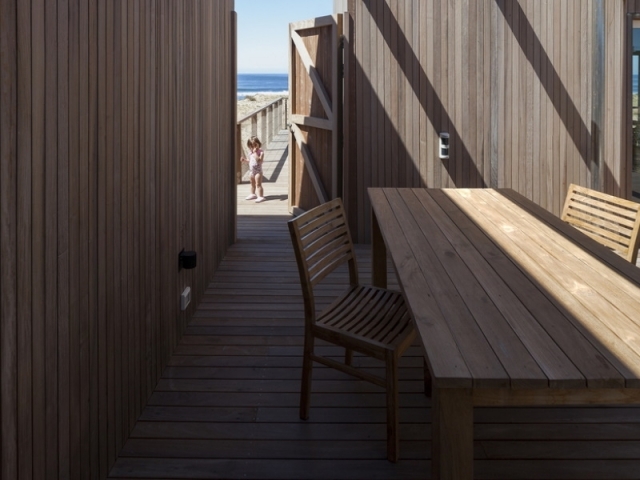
{"x": 265, "y": 124}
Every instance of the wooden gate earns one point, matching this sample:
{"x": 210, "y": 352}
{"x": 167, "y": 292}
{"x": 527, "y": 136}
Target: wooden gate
{"x": 315, "y": 91}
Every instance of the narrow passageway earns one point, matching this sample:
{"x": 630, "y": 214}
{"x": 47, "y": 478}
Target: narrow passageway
{"x": 227, "y": 403}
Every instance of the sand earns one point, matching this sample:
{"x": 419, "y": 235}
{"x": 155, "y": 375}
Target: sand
{"x": 255, "y": 102}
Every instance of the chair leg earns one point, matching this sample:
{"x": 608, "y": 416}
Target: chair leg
{"x": 305, "y": 387}
{"x": 393, "y": 437}
{"x": 348, "y": 356}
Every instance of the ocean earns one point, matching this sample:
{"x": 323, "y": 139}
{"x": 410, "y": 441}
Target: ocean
{"x": 253, "y": 83}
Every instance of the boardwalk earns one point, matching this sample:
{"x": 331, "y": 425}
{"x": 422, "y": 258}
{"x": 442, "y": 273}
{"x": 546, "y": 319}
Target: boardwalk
{"x": 276, "y": 189}
{"x": 226, "y": 406}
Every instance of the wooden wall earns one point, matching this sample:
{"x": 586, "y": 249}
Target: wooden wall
{"x": 529, "y": 90}
{"x": 116, "y": 151}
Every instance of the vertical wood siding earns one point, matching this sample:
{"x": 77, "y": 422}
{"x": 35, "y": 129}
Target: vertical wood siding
{"x": 510, "y": 80}
{"x": 116, "y": 152}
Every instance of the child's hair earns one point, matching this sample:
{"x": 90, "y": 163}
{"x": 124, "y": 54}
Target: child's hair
{"x": 254, "y": 141}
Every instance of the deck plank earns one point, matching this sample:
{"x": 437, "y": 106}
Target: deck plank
{"x": 227, "y": 403}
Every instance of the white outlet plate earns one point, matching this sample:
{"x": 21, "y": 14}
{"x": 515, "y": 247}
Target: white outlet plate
{"x": 185, "y": 298}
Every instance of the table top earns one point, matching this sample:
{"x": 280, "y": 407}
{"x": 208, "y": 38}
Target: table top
{"x": 506, "y": 295}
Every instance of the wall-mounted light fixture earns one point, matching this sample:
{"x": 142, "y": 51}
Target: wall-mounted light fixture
{"x": 187, "y": 259}
{"x": 444, "y": 145}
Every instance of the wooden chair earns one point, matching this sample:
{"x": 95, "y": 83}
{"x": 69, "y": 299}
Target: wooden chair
{"x": 365, "y": 319}
{"x": 612, "y": 221}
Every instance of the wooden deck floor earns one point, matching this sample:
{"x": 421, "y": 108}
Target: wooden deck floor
{"x": 226, "y": 406}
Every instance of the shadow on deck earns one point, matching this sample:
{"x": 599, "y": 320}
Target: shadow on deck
{"x": 227, "y": 403}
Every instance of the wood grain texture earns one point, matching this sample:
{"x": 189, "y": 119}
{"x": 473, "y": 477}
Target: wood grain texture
{"x": 567, "y": 307}
{"x": 511, "y": 82}
{"x": 586, "y": 355}
{"x": 227, "y": 404}
{"x": 363, "y": 319}
{"x": 8, "y": 237}
{"x": 23, "y": 248}
{"x": 610, "y": 220}
{"x": 313, "y": 73}
{"x": 262, "y": 233}
{"x": 452, "y": 458}
{"x": 94, "y": 207}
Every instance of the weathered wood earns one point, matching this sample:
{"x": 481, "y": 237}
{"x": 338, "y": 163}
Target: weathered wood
{"x": 237, "y": 401}
{"x": 610, "y": 220}
{"x": 364, "y": 319}
{"x": 425, "y": 309}
{"x": 312, "y": 122}
{"x": 38, "y": 89}
{"x": 63, "y": 266}
{"x": 279, "y": 373}
{"x": 490, "y": 252}
{"x": 452, "y": 451}
{"x": 8, "y": 237}
{"x": 314, "y": 91}
{"x": 102, "y": 369}
{"x": 512, "y": 82}
{"x": 311, "y": 70}
{"x": 378, "y": 261}
{"x": 594, "y": 396}
{"x": 591, "y": 317}
{"x": 23, "y": 246}
{"x": 88, "y": 300}
{"x": 515, "y": 357}
{"x": 310, "y": 165}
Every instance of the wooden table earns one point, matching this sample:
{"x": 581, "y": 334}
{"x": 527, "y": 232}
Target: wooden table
{"x": 513, "y": 307}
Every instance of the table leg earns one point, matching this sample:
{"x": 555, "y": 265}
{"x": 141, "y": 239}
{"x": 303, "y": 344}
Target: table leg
{"x": 378, "y": 255}
{"x": 452, "y": 434}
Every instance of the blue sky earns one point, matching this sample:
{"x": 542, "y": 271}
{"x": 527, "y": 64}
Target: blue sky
{"x": 263, "y": 31}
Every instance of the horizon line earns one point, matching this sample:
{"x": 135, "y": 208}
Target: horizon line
{"x": 263, "y": 73}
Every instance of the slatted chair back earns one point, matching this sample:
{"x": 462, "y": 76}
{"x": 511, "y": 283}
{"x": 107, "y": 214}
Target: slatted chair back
{"x": 611, "y": 221}
{"x": 322, "y": 243}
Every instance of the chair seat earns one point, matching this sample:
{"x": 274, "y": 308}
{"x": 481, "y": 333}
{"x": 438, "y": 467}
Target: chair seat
{"x": 369, "y": 319}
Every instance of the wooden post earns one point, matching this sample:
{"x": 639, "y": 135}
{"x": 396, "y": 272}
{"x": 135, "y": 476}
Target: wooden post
{"x": 452, "y": 434}
{"x": 239, "y": 151}
{"x": 263, "y": 126}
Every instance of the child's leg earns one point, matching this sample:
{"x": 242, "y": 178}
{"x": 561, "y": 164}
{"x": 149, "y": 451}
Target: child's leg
{"x": 252, "y": 195}
{"x": 259, "y": 185}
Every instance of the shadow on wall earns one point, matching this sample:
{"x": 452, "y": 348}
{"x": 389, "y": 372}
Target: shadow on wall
{"x": 437, "y": 114}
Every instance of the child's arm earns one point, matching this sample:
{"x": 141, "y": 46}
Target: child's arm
{"x": 260, "y": 156}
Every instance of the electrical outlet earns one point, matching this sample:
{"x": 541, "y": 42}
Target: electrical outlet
{"x": 185, "y": 298}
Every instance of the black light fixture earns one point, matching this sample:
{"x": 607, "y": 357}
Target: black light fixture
{"x": 187, "y": 259}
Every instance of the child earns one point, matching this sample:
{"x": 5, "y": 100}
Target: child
{"x": 255, "y": 168}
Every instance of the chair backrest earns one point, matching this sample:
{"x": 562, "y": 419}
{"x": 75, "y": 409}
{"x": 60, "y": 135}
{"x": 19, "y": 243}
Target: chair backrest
{"x": 322, "y": 242}
{"x": 612, "y": 221}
